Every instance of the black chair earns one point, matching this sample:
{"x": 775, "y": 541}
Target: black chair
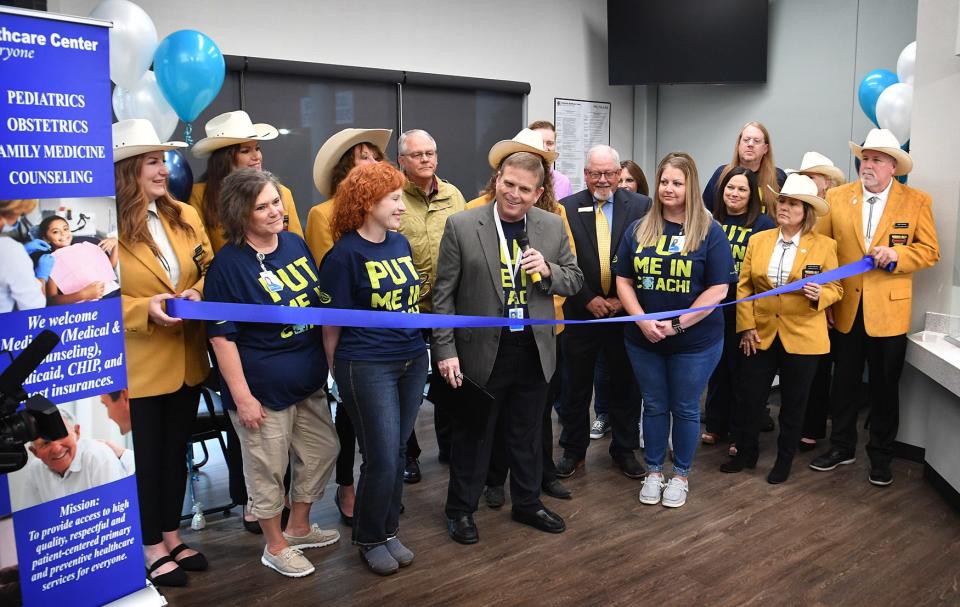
{"x": 212, "y": 421}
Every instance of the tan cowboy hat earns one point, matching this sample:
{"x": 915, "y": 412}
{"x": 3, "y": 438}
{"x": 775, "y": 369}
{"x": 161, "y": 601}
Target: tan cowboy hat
{"x": 334, "y": 148}
{"x": 804, "y": 189}
{"x": 883, "y": 140}
{"x": 230, "y": 129}
{"x": 137, "y": 136}
{"x": 526, "y": 140}
{"x": 815, "y": 162}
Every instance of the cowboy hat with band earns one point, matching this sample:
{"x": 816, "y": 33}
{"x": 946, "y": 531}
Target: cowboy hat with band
{"x": 230, "y": 129}
{"x": 802, "y": 188}
{"x": 334, "y": 148}
{"x": 883, "y": 140}
{"x": 814, "y": 163}
{"x": 137, "y": 136}
{"x": 526, "y": 140}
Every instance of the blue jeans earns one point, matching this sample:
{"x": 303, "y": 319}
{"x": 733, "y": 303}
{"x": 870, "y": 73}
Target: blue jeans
{"x": 382, "y": 400}
{"x": 671, "y": 386}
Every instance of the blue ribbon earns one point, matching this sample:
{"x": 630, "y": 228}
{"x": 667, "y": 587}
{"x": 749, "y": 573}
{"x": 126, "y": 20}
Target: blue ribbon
{"x": 338, "y": 317}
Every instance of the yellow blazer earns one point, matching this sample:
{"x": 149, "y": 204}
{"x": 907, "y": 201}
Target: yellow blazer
{"x": 320, "y": 229}
{"x": 557, "y": 300}
{"x": 217, "y": 240}
{"x": 161, "y": 359}
{"x": 907, "y": 225}
{"x": 800, "y": 323}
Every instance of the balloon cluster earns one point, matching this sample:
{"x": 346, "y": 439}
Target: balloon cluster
{"x": 887, "y": 98}
{"x": 188, "y": 71}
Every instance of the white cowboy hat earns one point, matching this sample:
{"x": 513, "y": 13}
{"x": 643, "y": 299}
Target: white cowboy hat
{"x": 814, "y": 162}
{"x": 883, "y": 140}
{"x": 230, "y": 129}
{"x": 804, "y": 189}
{"x": 137, "y": 136}
{"x": 526, "y": 140}
{"x": 334, "y": 148}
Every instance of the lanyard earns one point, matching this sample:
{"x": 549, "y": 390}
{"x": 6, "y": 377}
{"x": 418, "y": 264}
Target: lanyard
{"x": 504, "y": 248}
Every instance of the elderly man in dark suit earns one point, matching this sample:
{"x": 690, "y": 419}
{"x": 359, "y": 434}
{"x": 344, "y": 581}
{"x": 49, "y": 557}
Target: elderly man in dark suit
{"x": 483, "y": 270}
{"x": 598, "y": 217}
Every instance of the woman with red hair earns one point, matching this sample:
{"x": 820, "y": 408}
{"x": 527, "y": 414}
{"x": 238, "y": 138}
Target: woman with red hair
{"x": 380, "y": 372}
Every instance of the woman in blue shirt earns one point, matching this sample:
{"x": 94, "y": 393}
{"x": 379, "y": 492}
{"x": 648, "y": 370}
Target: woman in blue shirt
{"x": 675, "y": 257}
{"x": 273, "y": 374}
{"x": 380, "y": 372}
{"x": 738, "y": 212}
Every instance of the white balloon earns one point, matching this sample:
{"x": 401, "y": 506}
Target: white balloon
{"x": 894, "y": 107}
{"x": 133, "y": 40}
{"x": 906, "y": 63}
{"x": 145, "y": 100}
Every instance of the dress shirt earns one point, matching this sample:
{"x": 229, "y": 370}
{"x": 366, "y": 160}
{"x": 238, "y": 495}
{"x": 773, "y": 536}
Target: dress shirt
{"x": 168, "y": 257}
{"x": 781, "y": 261}
{"x": 878, "y": 207}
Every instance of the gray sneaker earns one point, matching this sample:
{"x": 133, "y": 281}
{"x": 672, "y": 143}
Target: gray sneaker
{"x": 651, "y": 489}
{"x": 675, "y": 493}
{"x": 600, "y": 426}
{"x": 379, "y": 559}
{"x": 317, "y": 538}
{"x": 400, "y": 553}
{"x": 290, "y": 562}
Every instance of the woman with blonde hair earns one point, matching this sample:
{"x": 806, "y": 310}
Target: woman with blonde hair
{"x": 164, "y": 253}
{"x": 675, "y": 257}
{"x": 752, "y": 150}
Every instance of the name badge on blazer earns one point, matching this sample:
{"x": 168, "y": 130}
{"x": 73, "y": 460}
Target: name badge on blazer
{"x": 197, "y": 257}
{"x": 900, "y": 239}
{"x": 901, "y": 226}
{"x": 588, "y": 209}
{"x": 286, "y": 222}
{"x": 810, "y": 270}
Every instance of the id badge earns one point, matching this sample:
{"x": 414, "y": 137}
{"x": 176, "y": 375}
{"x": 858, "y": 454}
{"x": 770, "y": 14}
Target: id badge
{"x": 515, "y": 313}
{"x": 676, "y": 243}
{"x": 271, "y": 281}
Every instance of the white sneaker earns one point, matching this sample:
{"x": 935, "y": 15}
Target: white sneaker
{"x": 651, "y": 489}
{"x": 290, "y": 562}
{"x": 675, "y": 494}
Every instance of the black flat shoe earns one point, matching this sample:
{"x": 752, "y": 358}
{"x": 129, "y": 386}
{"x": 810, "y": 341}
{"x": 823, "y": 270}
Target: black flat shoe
{"x": 251, "y": 526}
{"x": 780, "y": 471}
{"x": 556, "y": 489}
{"x": 463, "y": 530}
{"x": 196, "y": 562}
{"x": 738, "y": 462}
{"x": 542, "y": 519}
{"x": 347, "y": 520}
{"x": 805, "y": 447}
{"x": 175, "y": 577}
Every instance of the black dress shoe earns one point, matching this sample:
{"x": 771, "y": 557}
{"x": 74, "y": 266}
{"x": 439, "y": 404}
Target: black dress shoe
{"x": 628, "y": 464}
{"x": 743, "y": 459}
{"x": 494, "y": 496}
{"x": 567, "y": 465}
{"x": 555, "y": 489}
{"x": 411, "y": 471}
{"x": 542, "y": 519}
{"x": 174, "y": 577}
{"x": 347, "y": 520}
{"x": 831, "y": 459}
{"x": 462, "y": 529}
{"x": 780, "y": 471}
{"x": 195, "y": 562}
{"x": 251, "y": 526}
{"x": 880, "y": 474}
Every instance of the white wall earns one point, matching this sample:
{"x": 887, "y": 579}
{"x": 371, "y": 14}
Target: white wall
{"x": 558, "y": 46}
{"x": 818, "y": 51}
{"x": 935, "y": 130}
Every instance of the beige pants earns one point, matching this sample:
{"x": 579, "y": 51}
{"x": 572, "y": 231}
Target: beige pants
{"x": 302, "y": 435}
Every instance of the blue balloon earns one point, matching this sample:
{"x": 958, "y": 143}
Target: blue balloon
{"x": 190, "y": 70}
{"x": 180, "y": 180}
{"x": 870, "y": 88}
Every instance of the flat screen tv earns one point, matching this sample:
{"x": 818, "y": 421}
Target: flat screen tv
{"x": 687, "y": 41}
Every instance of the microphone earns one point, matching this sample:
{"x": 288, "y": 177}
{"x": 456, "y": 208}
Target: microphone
{"x": 11, "y": 381}
{"x": 524, "y": 243}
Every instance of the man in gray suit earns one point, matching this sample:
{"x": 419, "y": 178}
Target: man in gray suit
{"x": 483, "y": 271}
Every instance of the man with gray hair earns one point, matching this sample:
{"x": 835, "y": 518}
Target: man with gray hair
{"x": 599, "y": 217}
{"x": 429, "y": 200}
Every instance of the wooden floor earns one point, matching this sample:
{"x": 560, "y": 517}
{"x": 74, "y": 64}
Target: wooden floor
{"x": 822, "y": 539}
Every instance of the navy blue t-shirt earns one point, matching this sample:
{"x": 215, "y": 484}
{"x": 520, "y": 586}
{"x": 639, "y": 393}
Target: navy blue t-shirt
{"x": 739, "y": 237}
{"x": 283, "y": 364}
{"x": 515, "y": 291}
{"x": 361, "y": 275}
{"x": 673, "y": 281}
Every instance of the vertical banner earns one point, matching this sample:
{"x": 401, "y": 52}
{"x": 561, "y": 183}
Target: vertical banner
{"x": 69, "y": 521}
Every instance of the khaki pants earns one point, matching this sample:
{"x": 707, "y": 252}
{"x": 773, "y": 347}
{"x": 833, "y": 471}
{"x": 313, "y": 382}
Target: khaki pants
{"x": 302, "y": 435}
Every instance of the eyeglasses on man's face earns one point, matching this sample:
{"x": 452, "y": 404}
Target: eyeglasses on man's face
{"x": 609, "y": 175}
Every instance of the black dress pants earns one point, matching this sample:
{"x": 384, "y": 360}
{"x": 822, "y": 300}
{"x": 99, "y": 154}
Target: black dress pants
{"x": 581, "y": 346}
{"x": 162, "y": 426}
{"x": 818, "y": 404}
{"x": 756, "y": 375}
{"x": 884, "y": 356}
{"x": 721, "y": 397}
{"x": 519, "y": 390}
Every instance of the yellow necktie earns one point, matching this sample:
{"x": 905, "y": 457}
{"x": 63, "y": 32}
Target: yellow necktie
{"x": 603, "y": 247}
